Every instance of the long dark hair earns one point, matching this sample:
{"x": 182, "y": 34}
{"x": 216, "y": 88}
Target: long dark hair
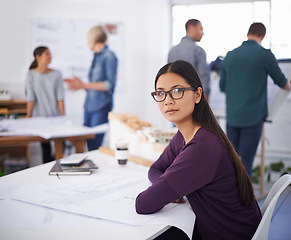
{"x": 37, "y": 52}
{"x": 204, "y": 116}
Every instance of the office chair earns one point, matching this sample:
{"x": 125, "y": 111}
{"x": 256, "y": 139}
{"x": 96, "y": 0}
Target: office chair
{"x": 267, "y": 209}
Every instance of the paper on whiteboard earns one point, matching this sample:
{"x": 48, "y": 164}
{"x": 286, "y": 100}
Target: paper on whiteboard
{"x": 276, "y": 95}
{"x": 276, "y": 103}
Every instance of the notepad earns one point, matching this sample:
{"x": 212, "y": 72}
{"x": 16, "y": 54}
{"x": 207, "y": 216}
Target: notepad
{"x": 74, "y": 159}
{"x": 82, "y": 166}
{"x": 57, "y": 170}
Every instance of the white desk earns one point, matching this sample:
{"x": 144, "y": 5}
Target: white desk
{"x": 20, "y": 132}
{"x": 22, "y": 220}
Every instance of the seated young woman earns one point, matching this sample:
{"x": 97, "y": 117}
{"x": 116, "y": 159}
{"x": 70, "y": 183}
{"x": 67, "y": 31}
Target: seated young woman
{"x": 199, "y": 163}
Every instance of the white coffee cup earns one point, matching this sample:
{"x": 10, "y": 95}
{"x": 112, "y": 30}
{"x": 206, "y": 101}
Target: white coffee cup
{"x": 121, "y": 151}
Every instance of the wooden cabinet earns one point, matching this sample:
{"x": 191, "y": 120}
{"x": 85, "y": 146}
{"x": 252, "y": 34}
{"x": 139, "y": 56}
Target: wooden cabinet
{"x": 13, "y": 107}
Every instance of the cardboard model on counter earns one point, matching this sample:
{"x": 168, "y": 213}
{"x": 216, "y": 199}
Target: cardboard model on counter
{"x": 144, "y": 140}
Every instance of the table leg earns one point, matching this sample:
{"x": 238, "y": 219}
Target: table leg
{"x": 79, "y": 145}
{"x": 262, "y": 165}
{"x": 59, "y": 149}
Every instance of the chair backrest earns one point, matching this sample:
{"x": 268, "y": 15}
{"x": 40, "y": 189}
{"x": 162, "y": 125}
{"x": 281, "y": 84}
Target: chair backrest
{"x": 267, "y": 209}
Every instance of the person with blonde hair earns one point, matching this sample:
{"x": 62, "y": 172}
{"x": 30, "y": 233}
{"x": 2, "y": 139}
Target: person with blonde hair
{"x": 101, "y": 85}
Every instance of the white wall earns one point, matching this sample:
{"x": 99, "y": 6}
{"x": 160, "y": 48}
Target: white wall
{"x": 146, "y": 43}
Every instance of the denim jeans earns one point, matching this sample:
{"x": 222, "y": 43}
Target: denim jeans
{"x": 246, "y": 140}
{"x": 92, "y": 119}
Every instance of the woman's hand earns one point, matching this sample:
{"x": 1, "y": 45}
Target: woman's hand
{"x": 74, "y": 83}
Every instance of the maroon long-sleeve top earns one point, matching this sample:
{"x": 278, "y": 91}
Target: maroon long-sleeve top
{"x": 201, "y": 170}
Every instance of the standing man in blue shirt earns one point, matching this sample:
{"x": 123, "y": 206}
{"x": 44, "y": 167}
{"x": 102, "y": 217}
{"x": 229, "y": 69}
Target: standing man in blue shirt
{"x": 243, "y": 78}
{"x": 100, "y": 88}
{"x": 189, "y": 51}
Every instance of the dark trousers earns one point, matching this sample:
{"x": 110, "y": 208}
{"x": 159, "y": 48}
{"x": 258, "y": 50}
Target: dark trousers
{"x": 93, "y": 119}
{"x": 246, "y": 140}
{"x": 46, "y": 152}
{"x": 174, "y": 233}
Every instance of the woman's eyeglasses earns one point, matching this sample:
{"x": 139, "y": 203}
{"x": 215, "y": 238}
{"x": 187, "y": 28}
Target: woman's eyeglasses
{"x": 175, "y": 93}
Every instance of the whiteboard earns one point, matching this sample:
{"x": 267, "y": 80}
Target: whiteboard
{"x": 67, "y": 41}
{"x": 276, "y": 95}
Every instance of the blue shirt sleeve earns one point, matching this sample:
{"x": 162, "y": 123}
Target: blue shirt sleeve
{"x": 111, "y": 72}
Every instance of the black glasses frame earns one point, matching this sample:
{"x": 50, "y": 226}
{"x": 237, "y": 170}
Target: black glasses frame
{"x": 169, "y": 92}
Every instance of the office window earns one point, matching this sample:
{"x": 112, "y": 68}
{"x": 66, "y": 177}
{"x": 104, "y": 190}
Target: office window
{"x": 225, "y": 25}
{"x": 280, "y": 28}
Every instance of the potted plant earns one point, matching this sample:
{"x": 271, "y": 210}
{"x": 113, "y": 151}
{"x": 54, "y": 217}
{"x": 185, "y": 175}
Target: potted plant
{"x": 276, "y": 171}
{"x": 257, "y": 173}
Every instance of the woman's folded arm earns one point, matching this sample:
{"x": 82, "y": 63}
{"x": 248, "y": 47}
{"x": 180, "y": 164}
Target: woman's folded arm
{"x": 155, "y": 197}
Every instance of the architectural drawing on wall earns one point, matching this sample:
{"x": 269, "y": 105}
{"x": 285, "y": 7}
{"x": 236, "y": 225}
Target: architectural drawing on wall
{"x": 67, "y": 41}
